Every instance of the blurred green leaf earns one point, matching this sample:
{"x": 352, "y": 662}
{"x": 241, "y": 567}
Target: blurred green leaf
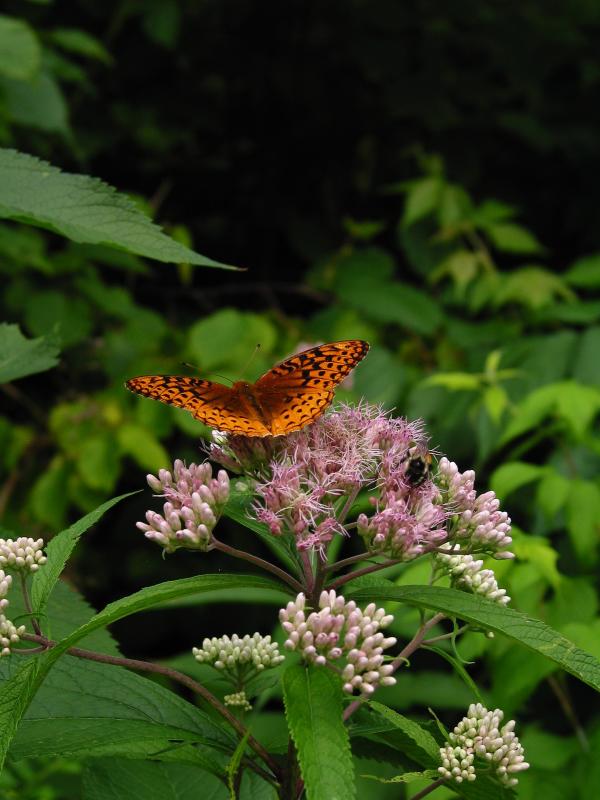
{"x": 389, "y": 302}
{"x": 20, "y": 52}
{"x": 380, "y": 377}
{"x": 37, "y": 103}
{"x": 20, "y": 356}
{"x": 145, "y": 449}
{"x": 114, "y": 778}
{"x": 81, "y": 43}
{"x": 552, "y": 492}
{"x": 51, "y": 311}
{"x": 48, "y": 498}
{"x": 422, "y": 199}
{"x": 541, "y": 554}
{"x": 532, "y": 286}
{"x": 574, "y": 599}
{"x": 575, "y": 404}
{"x": 83, "y": 209}
{"x": 512, "y": 238}
{"x": 455, "y": 381}
{"x": 587, "y": 361}
{"x": 513, "y": 475}
{"x": 229, "y": 338}
{"x": 583, "y": 518}
{"x": 98, "y": 462}
{"x": 585, "y": 272}
{"x": 455, "y": 206}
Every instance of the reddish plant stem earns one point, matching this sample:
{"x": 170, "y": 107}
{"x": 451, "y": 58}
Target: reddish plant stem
{"x": 346, "y": 562}
{"x": 405, "y": 653}
{"x": 364, "y": 571}
{"x": 173, "y": 674}
{"x": 308, "y": 572}
{"x": 28, "y": 605}
{"x": 259, "y": 562}
{"x": 428, "y": 789}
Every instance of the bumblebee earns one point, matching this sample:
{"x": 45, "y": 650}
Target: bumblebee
{"x": 418, "y": 467}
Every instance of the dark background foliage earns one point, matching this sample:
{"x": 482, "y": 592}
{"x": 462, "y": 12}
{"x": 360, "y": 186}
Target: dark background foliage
{"x": 423, "y": 175}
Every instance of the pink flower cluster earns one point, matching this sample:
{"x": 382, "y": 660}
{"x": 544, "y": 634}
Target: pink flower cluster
{"x": 194, "y": 504}
{"x": 476, "y": 523}
{"x": 339, "y": 629}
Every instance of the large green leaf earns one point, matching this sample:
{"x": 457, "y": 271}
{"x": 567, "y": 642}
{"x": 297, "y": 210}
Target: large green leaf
{"x": 17, "y": 693}
{"x": 115, "y": 779}
{"x": 525, "y": 630}
{"x": 83, "y": 209}
{"x": 59, "y": 550}
{"x": 313, "y": 707}
{"x": 20, "y": 356}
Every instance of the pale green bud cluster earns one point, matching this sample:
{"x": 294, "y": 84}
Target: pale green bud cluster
{"x": 479, "y": 736}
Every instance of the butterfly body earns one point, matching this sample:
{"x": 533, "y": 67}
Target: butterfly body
{"x": 286, "y": 398}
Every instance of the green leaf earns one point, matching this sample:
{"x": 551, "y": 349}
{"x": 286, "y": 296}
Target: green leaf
{"x": 116, "y": 779}
{"x": 60, "y": 548}
{"x": 143, "y": 447}
{"x": 37, "y": 103}
{"x": 420, "y": 744}
{"x": 587, "y": 364}
{"x": 552, "y": 492}
{"x": 407, "y": 777}
{"x": 98, "y": 462}
{"x": 313, "y": 708}
{"x": 48, "y": 498}
{"x": 53, "y": 312}
{"x": 83, "y": 209}
{"x": 380, "y": 378}
{"x": 583, "y": 518}
{"x": 422, "y": 199}
{"x": 88, "y": 709}
{"x": 234, "y": 765}
{"x": 575, "y": 404}
{"x": 20, "y": 356}
{"x": 513, "y": 475}
{"x": 81, "y": 43}
{"x": 229, "y": 337}
{"x": 512, "y": 238}
{"x": 531, "y": 633}
{"x": 534, "y": 287}
{"x": 17, "y": 694}
{"x": 455, "y": 381}
{"x": 390, "y": 302}
{"x": 20, "y": 52}
{"x": 540, "y": 553}
{"x": 585, "y": 272}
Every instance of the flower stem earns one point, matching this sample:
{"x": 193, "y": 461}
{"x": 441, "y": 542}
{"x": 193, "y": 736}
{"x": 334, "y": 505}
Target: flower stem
{"x": 28, "y": 605}
{"x": 405, "y": 653}
{"x": 364, "y": 571}
{"x": 259, "y": 562}
{"x": 428, "y": 789}
{"x": 346, "y": 562}
{"x": 175, "y": 675}
{"x": 308, "y": 572}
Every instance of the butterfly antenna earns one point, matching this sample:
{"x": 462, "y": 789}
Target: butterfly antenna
{"x": 252, "y": 357}
{"x": 193, "y": 366}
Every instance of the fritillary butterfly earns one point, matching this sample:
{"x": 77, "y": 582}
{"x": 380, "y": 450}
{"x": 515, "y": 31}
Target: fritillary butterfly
{"x": 286, "y": 398}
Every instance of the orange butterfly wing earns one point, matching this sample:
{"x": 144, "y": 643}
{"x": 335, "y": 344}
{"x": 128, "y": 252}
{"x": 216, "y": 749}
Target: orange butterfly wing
{"x": 298, "y": 390}
{"x": 221, "y": 407}
{"x": 286, "y": 398}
